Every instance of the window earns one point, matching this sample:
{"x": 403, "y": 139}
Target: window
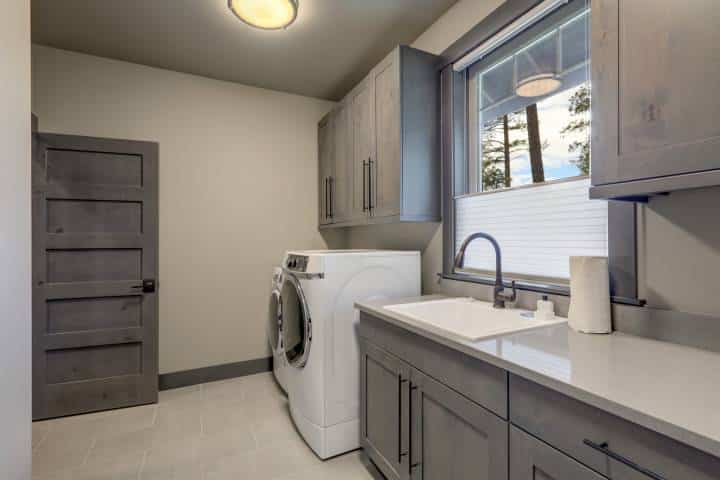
{"x": 524, "y": 176}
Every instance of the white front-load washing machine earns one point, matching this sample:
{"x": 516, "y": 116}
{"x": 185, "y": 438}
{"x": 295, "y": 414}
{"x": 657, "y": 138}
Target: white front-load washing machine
{"x": 274, "y": 330}
{"x": 319, "y": 320}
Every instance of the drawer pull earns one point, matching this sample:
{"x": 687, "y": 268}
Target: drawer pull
{"x": 604, "y": 448}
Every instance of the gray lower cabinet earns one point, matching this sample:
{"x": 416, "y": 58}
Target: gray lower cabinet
{"x": 429, "y": 412}
{"x": 413, "y": 426}
{"x": 451, "y": 437}
{"x": 614, "y": 447}
{"x": 532, "y": 459}
{"x": 384, "y": 420}
{"x": 654, "y": 115}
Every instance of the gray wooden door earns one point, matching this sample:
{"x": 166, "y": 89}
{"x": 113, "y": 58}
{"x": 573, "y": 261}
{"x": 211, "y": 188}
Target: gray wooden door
{"x": 342, "y": 161}
{"x": 362, "y": 121}
{"x": 453, "y": 438}
{"x": 384, "y": 413}
{"x": 95, "y": 239}
{"x": 325, "y": 167}
{"x": 654, "y": 63}
{"x": 531, "y": 459}
{"x": 386, "y": 171}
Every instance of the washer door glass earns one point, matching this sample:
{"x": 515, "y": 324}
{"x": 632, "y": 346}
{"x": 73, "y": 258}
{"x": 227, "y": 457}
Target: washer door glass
{"x": 274, "y": 318}
{"x": 296, "y": 322}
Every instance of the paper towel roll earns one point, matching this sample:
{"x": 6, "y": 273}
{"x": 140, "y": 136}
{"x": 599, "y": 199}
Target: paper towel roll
{"x": 589, "y": 295}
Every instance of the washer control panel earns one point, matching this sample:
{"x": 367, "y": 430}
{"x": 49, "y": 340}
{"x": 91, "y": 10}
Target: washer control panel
{"x": 298, "y": 263}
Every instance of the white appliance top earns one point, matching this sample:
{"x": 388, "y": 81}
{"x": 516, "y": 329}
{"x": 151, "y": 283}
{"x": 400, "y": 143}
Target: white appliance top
{"x": 312, "y": 261}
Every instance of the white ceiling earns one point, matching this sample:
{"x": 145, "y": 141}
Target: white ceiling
{"x": 330, "y": 47}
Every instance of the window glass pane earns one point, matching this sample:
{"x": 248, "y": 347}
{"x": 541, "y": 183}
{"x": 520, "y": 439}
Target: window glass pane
{"x": 497, "y": 84}
{"x": 534, "y": 117}
{"x": 574, "y": 41}
{"x": 529, "y": 134}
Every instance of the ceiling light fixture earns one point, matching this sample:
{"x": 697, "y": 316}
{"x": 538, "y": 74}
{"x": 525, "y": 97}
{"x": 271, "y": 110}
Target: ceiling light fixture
{"x": 537, "y": 85}
{"x": 265, "y": 14}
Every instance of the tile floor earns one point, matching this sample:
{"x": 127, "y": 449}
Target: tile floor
{"x": 233, "y": 429}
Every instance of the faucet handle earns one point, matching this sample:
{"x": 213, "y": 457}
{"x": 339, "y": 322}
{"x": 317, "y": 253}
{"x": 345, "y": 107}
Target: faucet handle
{"x": 509, "y": 297}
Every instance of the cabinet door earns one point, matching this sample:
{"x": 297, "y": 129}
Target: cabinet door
{"x": 325, "y": 168}
{"x": 386, "y": 167}
{"x": 453, "y": 438}
{"x": 340, "y": 190}
{"x": 531, "y": 459}
{"x": 655, "y": 65}
{"x": 362, "y": 119}
{"x": 384, "y": 419}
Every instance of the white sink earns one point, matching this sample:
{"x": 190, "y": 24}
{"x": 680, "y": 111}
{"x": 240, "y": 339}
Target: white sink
{"x": 470, "y": 319}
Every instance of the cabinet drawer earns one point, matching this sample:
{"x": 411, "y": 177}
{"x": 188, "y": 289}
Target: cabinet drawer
{"x": 531, "y": 459}
{"x": 481, "y": 382}
{"x": 568, "y": 425}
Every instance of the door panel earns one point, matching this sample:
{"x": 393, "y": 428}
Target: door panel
{"x": 363, "y": 125}
{"x": 95, "y": 238}
{"x": 655, "y": 117}
{"x": 453, "y": 438}
{"x": 384, "y": 416}
{"x": 325, "y": 167}
{"x": 531, "y": 459}
{"x": 342, "y": 160}
{"x": 386, "y": 173}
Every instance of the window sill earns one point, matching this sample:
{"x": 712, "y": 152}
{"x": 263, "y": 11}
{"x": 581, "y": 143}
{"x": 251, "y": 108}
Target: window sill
{"x": 562, "y": 290}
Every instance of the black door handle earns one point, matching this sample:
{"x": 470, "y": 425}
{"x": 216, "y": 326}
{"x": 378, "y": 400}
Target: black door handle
{"x": 605, "y": 448}
{"x": 148, "y": 286}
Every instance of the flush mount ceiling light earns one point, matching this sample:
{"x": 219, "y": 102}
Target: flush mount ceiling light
{"x": 537, "y": 85}
{"x": 265, "y": 14}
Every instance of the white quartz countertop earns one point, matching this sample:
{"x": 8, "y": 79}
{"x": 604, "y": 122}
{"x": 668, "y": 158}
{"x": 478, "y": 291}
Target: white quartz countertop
{"x": 671, "y": 389}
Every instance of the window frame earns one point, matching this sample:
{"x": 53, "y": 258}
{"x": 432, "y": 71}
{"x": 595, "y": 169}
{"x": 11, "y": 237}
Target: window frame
{"x": 454, "y": 86}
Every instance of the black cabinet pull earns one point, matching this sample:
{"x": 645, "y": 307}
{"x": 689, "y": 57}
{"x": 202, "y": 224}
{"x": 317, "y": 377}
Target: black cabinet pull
{"x": 604, "y": 448}
{"x": 364, "y": 187}
{"x": 331, "y": 208}
{"x": 327, "y": 200}
{"x": 370, "y": 205}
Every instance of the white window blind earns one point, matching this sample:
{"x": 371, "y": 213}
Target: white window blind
{"x": 537, "y": 227}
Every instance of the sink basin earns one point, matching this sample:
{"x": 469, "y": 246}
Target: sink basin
{"x": 470, "y": 319}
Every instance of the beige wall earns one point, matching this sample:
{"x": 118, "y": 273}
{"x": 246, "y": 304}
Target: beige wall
{"x": 15, "y": 347}
{"x": 238, "y": 170}
{"x": 679, "y": 243}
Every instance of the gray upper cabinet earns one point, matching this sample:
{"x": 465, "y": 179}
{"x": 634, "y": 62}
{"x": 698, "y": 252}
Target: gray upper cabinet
{"x": 391, "y": 171}
{"x": 532, "y": 459}
{"x": 326, "y": 168}
{"x": 655, "y": 64}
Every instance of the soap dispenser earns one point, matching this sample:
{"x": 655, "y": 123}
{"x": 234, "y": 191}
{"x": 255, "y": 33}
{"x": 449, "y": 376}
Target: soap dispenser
{"x": 545, "y": 309}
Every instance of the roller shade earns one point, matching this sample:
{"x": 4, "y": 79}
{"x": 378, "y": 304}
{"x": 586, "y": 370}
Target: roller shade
{"x": 538, "y": 228}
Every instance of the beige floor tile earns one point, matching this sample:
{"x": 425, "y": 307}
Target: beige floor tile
{"x": 229, "y": 430}
{"x": 226, "y": 418}
{"x": 55, "y": 453}
{"x": 40, "y": 431}
{"x": 225, "y": 445}
{"x": 173, "y": 461}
